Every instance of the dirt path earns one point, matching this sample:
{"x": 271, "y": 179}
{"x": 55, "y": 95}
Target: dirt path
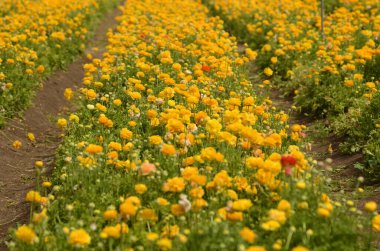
{"x": 324, "y": 145}
{"x": 17, "y": 167}
{"x": 343, "y": 174}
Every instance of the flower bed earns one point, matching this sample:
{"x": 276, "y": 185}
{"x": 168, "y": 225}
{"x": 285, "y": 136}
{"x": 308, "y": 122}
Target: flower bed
{"x": 171, "y": 149}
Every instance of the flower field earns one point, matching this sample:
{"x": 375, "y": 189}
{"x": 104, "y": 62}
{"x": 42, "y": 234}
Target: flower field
{"x": 38, "y": 39}
{"x": 171, "y": 149}
{"x": 334, "y": 74}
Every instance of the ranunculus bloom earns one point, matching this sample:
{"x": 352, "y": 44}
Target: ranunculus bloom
{"x": 288, "y": 160}
{"x": 147, "y": 168}
{"x": 206, "y": 68}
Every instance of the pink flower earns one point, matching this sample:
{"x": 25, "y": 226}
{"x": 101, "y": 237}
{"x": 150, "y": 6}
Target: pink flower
{"x": 147, "y": 168}
{"x": 288, "y": 171}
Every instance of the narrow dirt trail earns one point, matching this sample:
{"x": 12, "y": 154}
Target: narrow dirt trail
{"x": 17, "y": 170}
{"x": 343, "y": 164}
{"x": 343, "y": 174}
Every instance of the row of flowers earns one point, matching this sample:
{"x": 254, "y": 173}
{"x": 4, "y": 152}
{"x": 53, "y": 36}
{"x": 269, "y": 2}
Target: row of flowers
{"x": 331, "y": 72}
{"x": 172, "y": 149}
{"x": 37, "y": 37}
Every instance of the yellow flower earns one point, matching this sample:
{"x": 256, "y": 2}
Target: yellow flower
{"x": 285, "y": 206}
{"x": 213, "y": 126}
{"x": 101, "y": 107}
{"x": 176, "y": 67}
{"x": 222, "y": 179}
{"x": 126, "y": 134}
{"x": 26, "y": 234}
{"x": 148, "y": 214}
{"x": 177, "y": 210}
{"x": 152, "y": 236}
{"x": 296, "y": 128}
{"x": 68, "y": 94}
{"x": 349, "y": 83}
{"x": 209, "y": 153}
{"x": 74, "y": 118}
{"x": 251, "y": 54}
{"x": 175, "y": 125}
{"x": 62, "y": 123}
{"x": 370, "y": 206}
{"x": 235, "y": 216}
{"x": 277, "y": 215}
{"x": 277, "y": 245}
{"x": 39, "y": 163}
{"x": 232, "y": 194}
{"x": 46, "y": 184}
{"x": 176, "y": 185}
{"x": 301, "y": 185}
{"x": 168, "y": 149}
{"x": 141, "y": 188}
{"x": 270, "y": 225}
{"x": 254, "y": 162}
{"x": 164, "y": 244}
{"x": 114, "y": 231}
{"x": 117, "y": 102}
{"x": 376, "y": 223}
{"x": 94, "y": 149}
{"x": 129, "y": 207}
{"x": 162, "y": 202}
{"x": 255, "y": 248}
{"x": 110, "y": 214}
{"x": 300, "y": 248}
{"x": 9, "y": 86}
{"x": 323, "y": 212}
{"x": 90, "y": 94}
{"x": 33, "y": 196}
{"x": 17, "y": 144}
{"x": 248, "y": 235}
{"x": 79, "y": 237}
{"x": 38, "y": 217}
{"x": 268, "y": 72}
{"x": 114, "y": 146}
{"x": 31, "y": 137}
{"x": 242, "y": 205}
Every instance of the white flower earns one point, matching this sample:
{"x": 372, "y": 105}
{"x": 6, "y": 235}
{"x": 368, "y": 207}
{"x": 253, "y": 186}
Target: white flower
{"x": 184, "y": 202}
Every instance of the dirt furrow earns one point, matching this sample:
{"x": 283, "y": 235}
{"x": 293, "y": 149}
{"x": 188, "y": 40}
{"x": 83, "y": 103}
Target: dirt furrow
{"x": 17, "y": 170}
{"x": 323, "y": 145}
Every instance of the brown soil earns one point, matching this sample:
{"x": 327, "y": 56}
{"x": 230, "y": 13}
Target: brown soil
{"x": 17, "y": 172}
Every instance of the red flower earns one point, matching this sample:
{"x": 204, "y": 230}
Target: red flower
{"x": 206, "y": 68}
{"x": 288, "y": 160}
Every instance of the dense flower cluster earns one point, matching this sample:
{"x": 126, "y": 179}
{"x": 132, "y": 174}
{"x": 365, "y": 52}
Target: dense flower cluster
{"x": 37, "y": 37}
{"x": 332, "y": 72}
{"x": 172, "y": 149}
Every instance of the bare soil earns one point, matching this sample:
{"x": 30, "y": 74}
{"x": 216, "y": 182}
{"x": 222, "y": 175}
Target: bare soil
{"x": 17, "y": 172}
